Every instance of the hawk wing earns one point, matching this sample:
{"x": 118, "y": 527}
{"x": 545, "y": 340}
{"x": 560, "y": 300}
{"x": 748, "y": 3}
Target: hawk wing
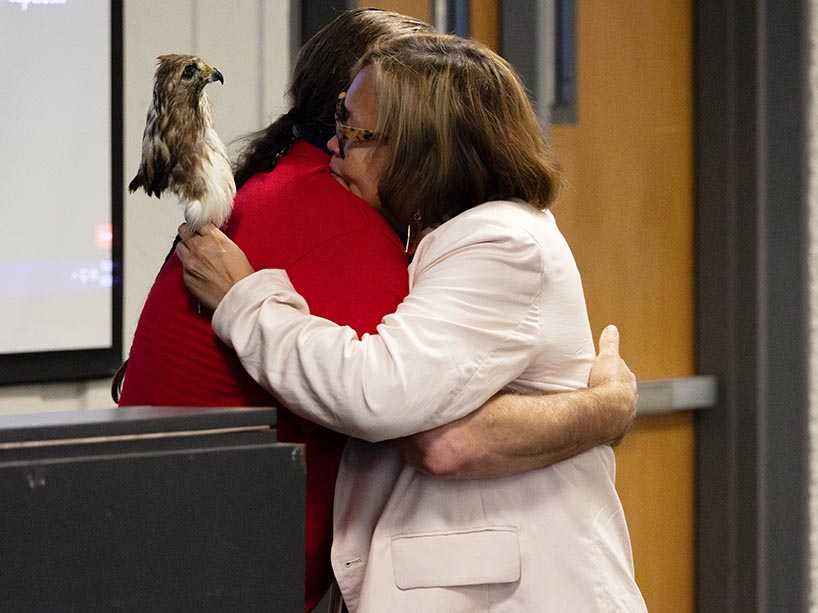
{"x": 157, "y": 163}
{"x": 154, "y": 171}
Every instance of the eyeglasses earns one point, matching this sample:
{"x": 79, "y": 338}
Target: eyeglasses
{"x": 346, "y": 133}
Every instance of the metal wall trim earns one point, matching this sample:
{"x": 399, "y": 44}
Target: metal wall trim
{"x": 677, "y": 394}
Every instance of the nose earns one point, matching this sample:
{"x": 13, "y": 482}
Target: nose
{"x": 332, "y": 145}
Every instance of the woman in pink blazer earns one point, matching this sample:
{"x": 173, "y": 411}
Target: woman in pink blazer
{"x": 436, "y": 133}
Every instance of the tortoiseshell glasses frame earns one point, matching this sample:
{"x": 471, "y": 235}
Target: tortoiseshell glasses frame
{"x": 345, "y": 133}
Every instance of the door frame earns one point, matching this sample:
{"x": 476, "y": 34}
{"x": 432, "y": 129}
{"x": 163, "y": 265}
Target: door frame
{"x": 752, "y": 316}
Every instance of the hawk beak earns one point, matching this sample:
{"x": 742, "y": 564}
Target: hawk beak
{"x": 212, "y": 74}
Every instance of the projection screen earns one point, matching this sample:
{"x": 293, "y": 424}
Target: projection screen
{"x": 60, "y": 186}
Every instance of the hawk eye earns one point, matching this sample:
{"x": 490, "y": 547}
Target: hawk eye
{"x": 189, "y": 71}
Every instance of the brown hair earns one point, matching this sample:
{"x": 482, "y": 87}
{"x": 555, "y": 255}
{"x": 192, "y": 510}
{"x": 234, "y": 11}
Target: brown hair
{"x": 321, "y": 72}
{"x": 460, "y": 129}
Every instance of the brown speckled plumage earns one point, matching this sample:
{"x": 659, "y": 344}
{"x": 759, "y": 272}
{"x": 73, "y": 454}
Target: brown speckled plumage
{"x": 181, "y": 151}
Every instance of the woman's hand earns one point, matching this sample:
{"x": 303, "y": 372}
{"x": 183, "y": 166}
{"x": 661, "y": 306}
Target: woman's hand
{"x": 609, "y": 369}
{"x": 213, "y": 263}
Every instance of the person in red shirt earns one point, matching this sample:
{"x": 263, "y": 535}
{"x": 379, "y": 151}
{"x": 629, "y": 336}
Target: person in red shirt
{"x": 340, "y": 254}
{"x": 344, "y": 258}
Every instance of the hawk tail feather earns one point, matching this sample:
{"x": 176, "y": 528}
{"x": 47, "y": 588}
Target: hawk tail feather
{"x": 135, "y": 183}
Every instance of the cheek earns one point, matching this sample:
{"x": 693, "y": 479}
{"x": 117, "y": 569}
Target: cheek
{"x": 376, "y": 168}
{"x": 370, "y": 170}
{"x": 367, "y": 189}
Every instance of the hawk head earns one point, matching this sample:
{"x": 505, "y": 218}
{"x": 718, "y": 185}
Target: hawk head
{"x": 181, "y": 78}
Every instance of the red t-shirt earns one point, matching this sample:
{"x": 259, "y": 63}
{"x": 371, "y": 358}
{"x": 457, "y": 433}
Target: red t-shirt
{"x": 340, "y": 255}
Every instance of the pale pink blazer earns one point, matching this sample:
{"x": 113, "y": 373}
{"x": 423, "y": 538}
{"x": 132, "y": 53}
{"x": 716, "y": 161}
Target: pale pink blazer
{"x": 496, "y": 300}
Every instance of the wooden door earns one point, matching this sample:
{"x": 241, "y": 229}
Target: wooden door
{"x": 628, "y": 215}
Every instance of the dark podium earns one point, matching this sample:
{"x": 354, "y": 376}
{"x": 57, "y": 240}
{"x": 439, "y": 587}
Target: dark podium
{"x": 150, "y": 509}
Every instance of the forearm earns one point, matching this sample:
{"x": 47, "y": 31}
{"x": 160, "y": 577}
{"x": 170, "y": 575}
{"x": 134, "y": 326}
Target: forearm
{"x": 514, "y": 433}
{"x": 377, "y": 388}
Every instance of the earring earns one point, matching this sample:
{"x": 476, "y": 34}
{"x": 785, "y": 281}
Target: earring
{"x": 413, "y": 236}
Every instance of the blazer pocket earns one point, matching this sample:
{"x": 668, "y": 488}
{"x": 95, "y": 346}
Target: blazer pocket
{"x": 450, "y": 558}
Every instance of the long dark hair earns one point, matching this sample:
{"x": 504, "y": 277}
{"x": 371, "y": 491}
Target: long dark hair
{"x": 322, "y": 71}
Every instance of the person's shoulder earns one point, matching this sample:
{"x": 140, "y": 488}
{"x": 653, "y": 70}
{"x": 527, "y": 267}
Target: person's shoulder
{"x": 301, "y": 151}
{"x": 505, "y": 214}
{"x": 300, "y": 191}
{"x": 499, "y": 220}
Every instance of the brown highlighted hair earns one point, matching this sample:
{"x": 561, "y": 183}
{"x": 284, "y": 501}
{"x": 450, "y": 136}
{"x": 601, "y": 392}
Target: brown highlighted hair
{"x": 321, "y": 72}
{"x": 460, "y": 129}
